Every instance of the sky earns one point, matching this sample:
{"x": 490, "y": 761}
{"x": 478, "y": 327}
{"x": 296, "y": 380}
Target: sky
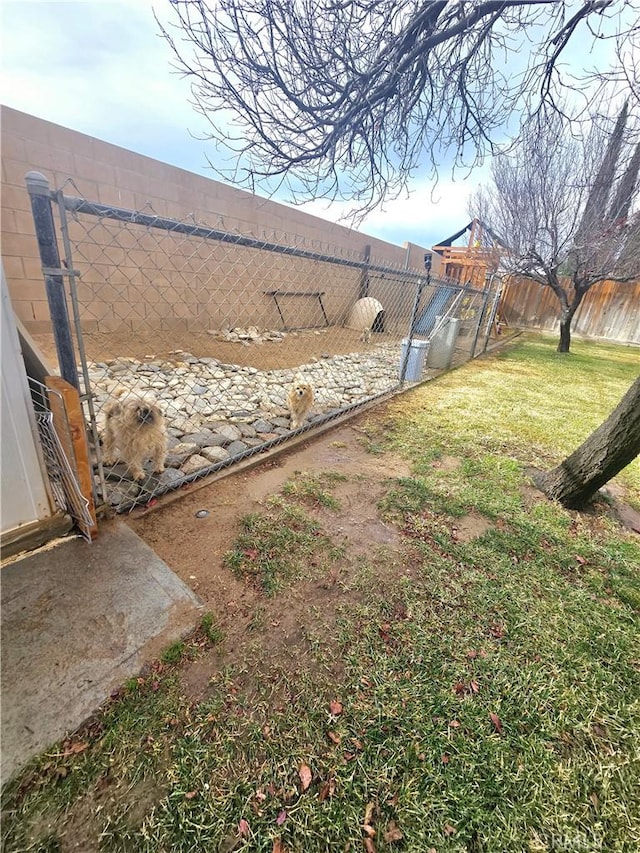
{"x": 100, "y": 67}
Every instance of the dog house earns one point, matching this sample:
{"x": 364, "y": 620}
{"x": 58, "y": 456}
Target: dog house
{"x": 366, "y": 313}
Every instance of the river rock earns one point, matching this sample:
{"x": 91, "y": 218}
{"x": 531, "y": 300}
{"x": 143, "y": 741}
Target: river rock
{"x": 214, "y": 454}
{"x": 236, "y": 448}
{"x": 194, "y": 463}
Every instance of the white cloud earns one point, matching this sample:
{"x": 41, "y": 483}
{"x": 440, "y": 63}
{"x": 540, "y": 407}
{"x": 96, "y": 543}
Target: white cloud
{"x": 427, "y": 215}
{"x": 101, "y": 68}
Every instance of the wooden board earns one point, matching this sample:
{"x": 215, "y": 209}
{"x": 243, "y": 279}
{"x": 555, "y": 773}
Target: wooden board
{"x": 68, "y": 420}
{"x": 30, "y": 536}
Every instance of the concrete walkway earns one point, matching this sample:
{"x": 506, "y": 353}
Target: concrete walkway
{"x": 78, "y": 620}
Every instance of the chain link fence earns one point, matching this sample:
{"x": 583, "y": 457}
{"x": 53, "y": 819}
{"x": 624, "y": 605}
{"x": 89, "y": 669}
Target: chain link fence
{"x": 194, "y": 347}
{"x": 62, "y": 478}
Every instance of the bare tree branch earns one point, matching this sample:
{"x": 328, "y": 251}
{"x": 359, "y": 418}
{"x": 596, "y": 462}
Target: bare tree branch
{"x": 349, "y": 98}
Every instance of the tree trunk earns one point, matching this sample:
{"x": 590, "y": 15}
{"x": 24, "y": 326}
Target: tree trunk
{"x": 565, "y": 332}
{"x": 566, "y": 317}
{"x": 610, "y": 448}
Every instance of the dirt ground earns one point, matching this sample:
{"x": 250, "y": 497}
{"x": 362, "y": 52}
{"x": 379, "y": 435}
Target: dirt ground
{"x": 279, "y": 627}
{"x": 298, "y": 347}
{"x": 194, "y": 548}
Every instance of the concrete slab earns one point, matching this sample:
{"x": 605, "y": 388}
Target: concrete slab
{"x": 77, "y": 621}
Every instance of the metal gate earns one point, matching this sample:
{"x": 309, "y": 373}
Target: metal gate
{"x": 195, "y": 347}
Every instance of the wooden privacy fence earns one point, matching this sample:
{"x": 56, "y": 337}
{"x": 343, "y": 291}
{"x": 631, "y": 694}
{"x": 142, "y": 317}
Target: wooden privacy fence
{"x": 609, "y": 310}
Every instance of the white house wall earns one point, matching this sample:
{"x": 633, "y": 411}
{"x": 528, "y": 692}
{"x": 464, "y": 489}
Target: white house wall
{"x": 24, "y": 497}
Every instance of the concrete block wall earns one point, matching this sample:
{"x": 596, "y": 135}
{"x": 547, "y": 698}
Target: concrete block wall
{"x": 132, "y": 275}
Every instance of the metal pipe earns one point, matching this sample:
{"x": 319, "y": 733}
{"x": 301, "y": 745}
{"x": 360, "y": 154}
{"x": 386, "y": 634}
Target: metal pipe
{"x": 88, "y": 395}
{"x": 40, "y": 196}
{"x": 79, "y": 205}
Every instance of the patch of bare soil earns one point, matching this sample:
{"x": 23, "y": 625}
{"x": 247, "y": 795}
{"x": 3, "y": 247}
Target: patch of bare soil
{"x": 447, "y": 463}
{"x": 530, "y": 495}
{"x": 626, "y": 515}
{"x": 84, "y": 820}
{"x": 297, "y": 347}
{"x": 609, "y": 502}
{"x": 357, "y": 524}
{"x": 275, "y": 629}
{"x": 470, "y": 527}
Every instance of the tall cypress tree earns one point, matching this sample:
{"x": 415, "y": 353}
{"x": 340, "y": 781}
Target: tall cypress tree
{"x": 594, "y": 216}
{"x": 619, "y": 210}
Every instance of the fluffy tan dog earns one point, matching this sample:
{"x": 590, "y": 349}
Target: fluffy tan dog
{"x": 134, "y": 432}
{"x": 300, "y": 400}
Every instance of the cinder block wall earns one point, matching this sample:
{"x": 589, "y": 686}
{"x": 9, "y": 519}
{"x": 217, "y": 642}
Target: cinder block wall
{"x": 131, "y": 276}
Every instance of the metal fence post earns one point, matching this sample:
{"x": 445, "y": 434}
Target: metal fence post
{"x": 482, "y": 313}
{"x": 363, "y": 284}
{"x": 39, "y": 193}
{"x": 494, "y": 310}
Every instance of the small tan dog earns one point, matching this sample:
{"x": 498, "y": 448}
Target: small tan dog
{"x": 134, "y": 432}
{"x": 300, "y": 400}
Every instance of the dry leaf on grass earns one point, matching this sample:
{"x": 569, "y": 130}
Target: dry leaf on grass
{"x": 367, "y": 825}
{"x": 278, "y": 846}
{"x": 327, "y": 790}
{"x": 495, "y": 719}
{"x": 369, "y": 846}
{"x": 462, "y": 689}
{"x": 75, "y": 749}
{"x": 393, "y": 833}
{"x": 306, "y": 776}
{"x": 449, "y": 830}
{"x": 368, "y": 812}
{"x": 282, "y": 816}
{"x": 243, "y": 828}
{"x": 384, "y": 631}
{"x": 334, "y": 738}
{"x": 335, "y": 707}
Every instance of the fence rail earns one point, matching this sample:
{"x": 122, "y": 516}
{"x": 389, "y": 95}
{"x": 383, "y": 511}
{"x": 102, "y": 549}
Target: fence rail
{"x": 196, "y": 347}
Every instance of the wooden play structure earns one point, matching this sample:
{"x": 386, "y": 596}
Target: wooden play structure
{"x": 473, "y": 262}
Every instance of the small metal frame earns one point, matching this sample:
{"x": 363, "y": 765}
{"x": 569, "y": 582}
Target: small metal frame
{"x": 317, "y": 294}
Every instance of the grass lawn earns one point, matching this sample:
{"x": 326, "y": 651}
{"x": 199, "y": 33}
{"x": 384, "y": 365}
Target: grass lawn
{"x": 474, "y": 686}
